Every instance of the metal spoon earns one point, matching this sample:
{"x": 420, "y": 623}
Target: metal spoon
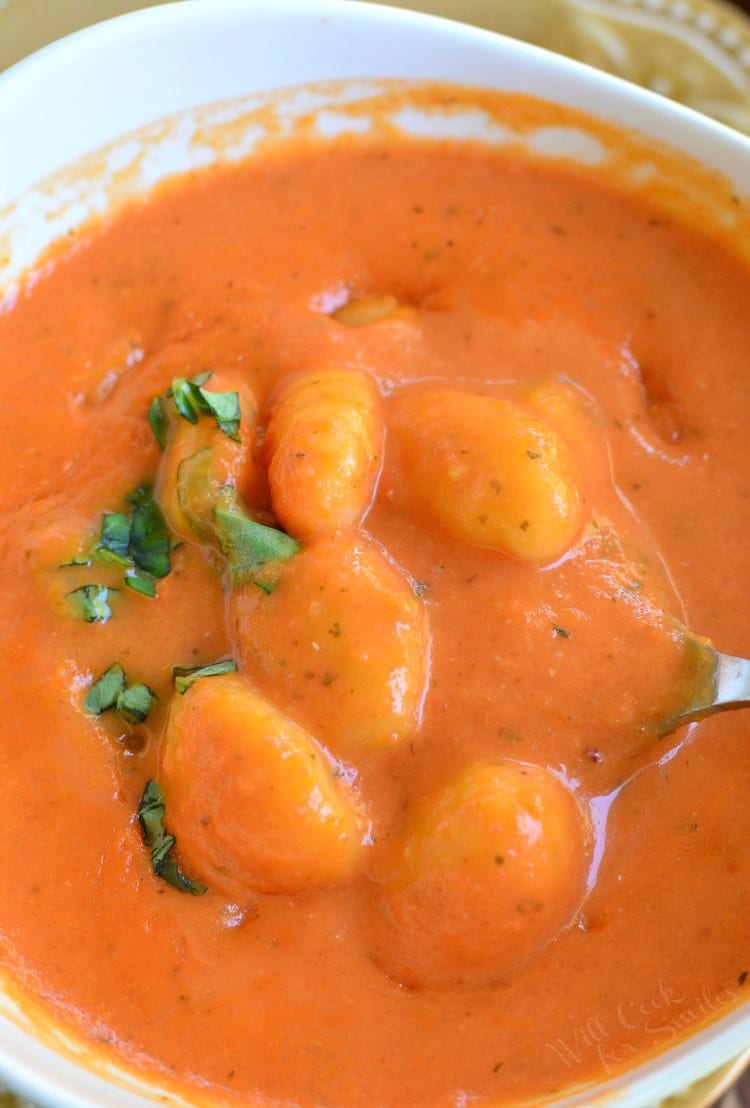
{"x": 717, "y": 682}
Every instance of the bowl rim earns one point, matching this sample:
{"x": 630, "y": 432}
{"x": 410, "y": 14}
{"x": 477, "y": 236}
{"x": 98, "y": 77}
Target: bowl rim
{"x": 607, "y": 97}
{"x": 602, "y": 95}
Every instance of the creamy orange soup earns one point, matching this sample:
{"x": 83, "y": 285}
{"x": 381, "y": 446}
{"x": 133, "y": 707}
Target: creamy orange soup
{"x": 356, "y": 499}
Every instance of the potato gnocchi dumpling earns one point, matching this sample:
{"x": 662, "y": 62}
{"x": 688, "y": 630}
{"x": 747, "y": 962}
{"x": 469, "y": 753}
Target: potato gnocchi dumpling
{"x": 199, "y": 458}
{"x": 362, "y": 311}
{"x": 577, "y": 419}
{"x": 340, "y": 641}
{"x": 251, "y": 798}
{"x": 490, "y": 869}
{"x": 324, "y": 448}
{"x": 491, "y": 471}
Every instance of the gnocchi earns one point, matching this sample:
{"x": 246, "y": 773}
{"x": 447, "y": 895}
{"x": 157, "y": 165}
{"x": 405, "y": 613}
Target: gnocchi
{"x": 252, "y": 798}
{"x": 490, "y": 471}
{"x": 324, "y": 448}
{"x": 490, "y": 869}
{"x": 337, "y": 634}
{"x": 362, "y": 311}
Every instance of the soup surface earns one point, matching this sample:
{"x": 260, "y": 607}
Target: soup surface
{"x": 428, "y": 451}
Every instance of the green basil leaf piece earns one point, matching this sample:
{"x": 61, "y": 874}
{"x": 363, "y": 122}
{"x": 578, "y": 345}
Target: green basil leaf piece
{"x": 186, "y": 676}
{"x": 135, "y": 703}
{"x": 203, "y": 378}
{"x": 158, "y": 421}
{"x": 141, "y": 495}
{"x": 188, "y": 399}
{"x": 151, "y": 812}
{"x": 191, "y": 401}
{"x": 246, "y": 544}
{"x": 78, "y": 560}
{"x": 265, "y": 586}
{"x": 114, "y": 540}
{"x": 90, "y": 603}
{"x": 225, "y": 408}
{"x": 149, "y": 539}
{"x": 104, "y": 692}
{"x": 139, "y": 582}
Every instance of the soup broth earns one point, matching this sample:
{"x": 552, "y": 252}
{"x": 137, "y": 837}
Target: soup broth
{"x": 357, "y": 497}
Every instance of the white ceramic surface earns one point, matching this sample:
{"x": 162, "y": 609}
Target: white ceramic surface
{"x": 694, "y": 51}
{"x": 116, "y": 77}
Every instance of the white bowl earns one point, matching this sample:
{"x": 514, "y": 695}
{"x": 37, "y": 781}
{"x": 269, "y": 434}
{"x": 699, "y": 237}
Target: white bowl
{"x": 119, "y": 76}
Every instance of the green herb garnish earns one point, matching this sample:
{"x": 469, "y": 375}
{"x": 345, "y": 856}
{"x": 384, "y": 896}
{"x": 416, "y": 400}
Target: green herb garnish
{"x": 140, "y": 582}
{"x": 186, "y": 676}
{"x": 90, "y": 603}
{"x": 265, "y": 586}
{"x": 191, "y": 401}
{"x": 151, "y": 811}
{"x": 246, "y": 544}
{"x": 187, "y": 398}
{"x": 135, "y": 703}
{"x": 114, "y": 540}
{"x": 132, "y": 702}
{"x": 103, "y": 693}
{"x": 138, "y": 543}
{"x": 158, "y": 421}
{"x": 225, "y": 408}
{"x": 149, "y": 537}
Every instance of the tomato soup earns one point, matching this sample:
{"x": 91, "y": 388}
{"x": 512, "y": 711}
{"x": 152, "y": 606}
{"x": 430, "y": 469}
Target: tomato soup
{"x": 358, "y": 497}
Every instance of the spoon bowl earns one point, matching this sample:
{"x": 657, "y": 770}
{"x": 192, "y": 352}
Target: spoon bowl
{"x": 717, "y": 682}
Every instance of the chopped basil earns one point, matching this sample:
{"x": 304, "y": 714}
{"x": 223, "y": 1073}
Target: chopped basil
{"x": 78, "y": 560}
{"x": 265, "y": 586}
{"x": 186, "y": 676}
{"x": 192, "y": 401}
{"x": 114, "y": 540}
{"x": 140, "y": 495}
{"x": 218, "y": 515}
{"x": 134, "y": 703}
{"x": 151, "y": 811}
{"x": 140, "y": 582}
{"x": 187, "y": 399}
{"x": 158, "y": 422}
{"x": 245, "y": 543}
{"x": 90, "y": 603}
{"x": 225, "y": 408}
{"x": 103, "y": 693}
{"x": 139, "y": 543}
{"x": 149, "y": 537}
